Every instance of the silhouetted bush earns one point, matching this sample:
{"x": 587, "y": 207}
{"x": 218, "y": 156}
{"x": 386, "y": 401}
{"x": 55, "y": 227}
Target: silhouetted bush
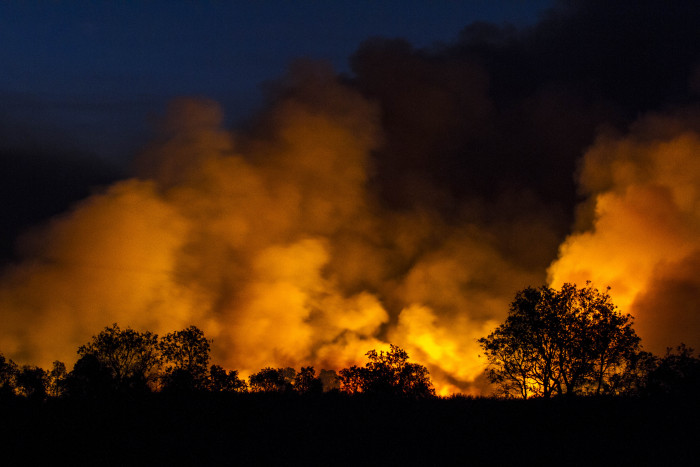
{"x": 676, "y": 374}
{"x": 388, "y": 374}
{"x": 222, "y": 381}
{"x": 272, "y": 380}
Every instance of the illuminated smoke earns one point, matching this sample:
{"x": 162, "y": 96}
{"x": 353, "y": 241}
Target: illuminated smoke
{"x": 404, "y": 204}
{"x": 272, "y": 242}
{"x": 640, "y": 228}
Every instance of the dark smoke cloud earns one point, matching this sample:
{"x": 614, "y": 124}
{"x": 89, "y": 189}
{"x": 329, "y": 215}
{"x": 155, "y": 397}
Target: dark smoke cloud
{"x": 514, "y": 109}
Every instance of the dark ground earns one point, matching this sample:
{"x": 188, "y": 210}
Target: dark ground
{"x": 251, "y": 429}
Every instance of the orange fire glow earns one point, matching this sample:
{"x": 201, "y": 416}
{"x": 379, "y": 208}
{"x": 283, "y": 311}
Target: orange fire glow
{"x": 645, "y": 191}
{"x": 277, "y": 248}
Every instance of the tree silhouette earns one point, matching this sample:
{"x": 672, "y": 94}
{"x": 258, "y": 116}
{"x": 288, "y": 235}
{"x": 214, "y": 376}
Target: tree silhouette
{"x": 32, "y": 382}
{"x": 676, "y": 374}
{"x": 633, "y": 380}
{"x": 567, "y": 341}
{"x": 128, "y": 356}
{"x": 8, "y": 376}
{"x": 185, "y": 355}
{"x": 306, "y": 382}
{"x": 90, "y": 378}
{"x": 272, "y": 380}
{"x": 388, "y": 373}
{"x": 222, "y": 381}
{"x": 57, "y": 377}
{"x": 352, "y": 379}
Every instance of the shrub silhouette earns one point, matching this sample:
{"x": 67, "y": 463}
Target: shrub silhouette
{"x": 675, "y": 374}
{"x": 389, "y": 374}
{"x": 272, "y": 380}
{"x": 222, "y": 381}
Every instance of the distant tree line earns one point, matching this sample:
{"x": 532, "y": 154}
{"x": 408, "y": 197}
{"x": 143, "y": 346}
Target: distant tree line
{"x": 125, "y": 361}
{"x": 566, "y": 342}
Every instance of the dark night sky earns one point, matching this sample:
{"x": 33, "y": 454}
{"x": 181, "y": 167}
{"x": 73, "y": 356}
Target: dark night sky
{"x": 475, "y": 96}
{"x": 82, "y": 81}
{"x": 87, "y": 74}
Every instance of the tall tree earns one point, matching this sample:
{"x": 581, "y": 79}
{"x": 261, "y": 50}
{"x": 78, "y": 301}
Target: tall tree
{"x": 185, "y": 355}
{"x": 306, "y": 382}
{"x": 567, "y": 341}
{"x": 129, "y": 356}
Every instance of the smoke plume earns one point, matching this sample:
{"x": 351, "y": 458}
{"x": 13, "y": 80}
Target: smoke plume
{"x": 406, "y": 203}
{"x": 641, "y": 227}
{"x": 272, "y": 242}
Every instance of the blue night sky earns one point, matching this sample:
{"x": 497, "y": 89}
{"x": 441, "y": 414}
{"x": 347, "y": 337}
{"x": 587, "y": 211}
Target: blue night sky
{"x": 87, "y": 75}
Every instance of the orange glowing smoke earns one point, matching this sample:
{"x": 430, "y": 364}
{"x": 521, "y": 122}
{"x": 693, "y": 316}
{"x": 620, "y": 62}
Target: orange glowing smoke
{"x": 642, "y": 236}
{"x": 272, "y": 243}
{"x": 276, "y": 245}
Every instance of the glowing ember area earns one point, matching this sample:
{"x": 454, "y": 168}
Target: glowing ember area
{"x": 640, "y": 229}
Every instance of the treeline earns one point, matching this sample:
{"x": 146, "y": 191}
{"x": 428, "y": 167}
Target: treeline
{"x": 135, "y": 398}
{"x": 125, "y": 361}
{"x": 566, "y": 342}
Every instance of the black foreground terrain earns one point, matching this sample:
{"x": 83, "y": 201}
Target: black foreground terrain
{"x": 334, "y": 429}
